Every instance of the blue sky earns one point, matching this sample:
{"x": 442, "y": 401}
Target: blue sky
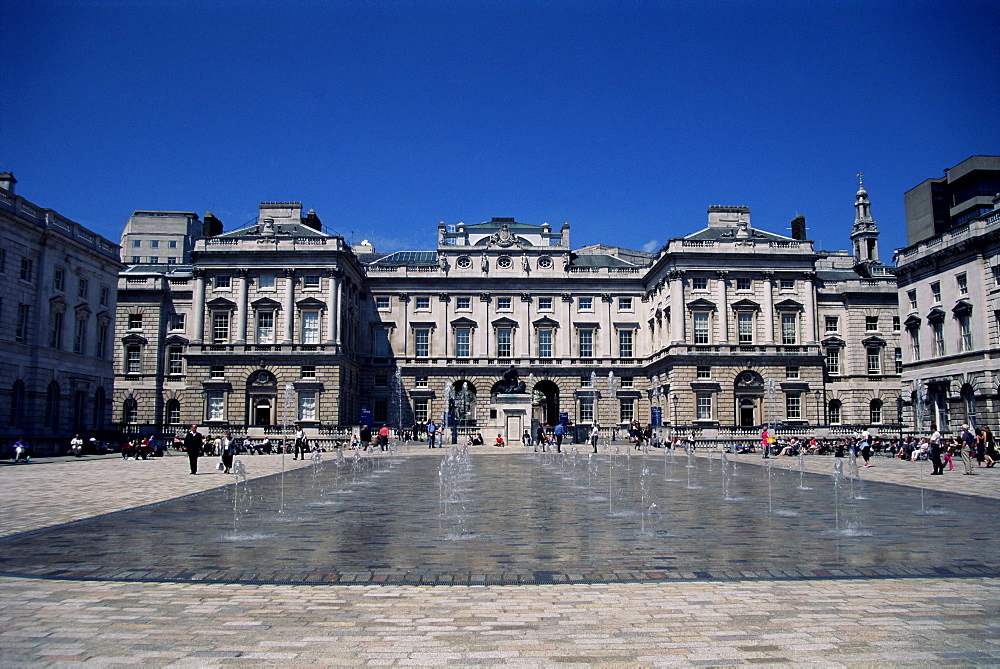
{"x": 627, "y": 119}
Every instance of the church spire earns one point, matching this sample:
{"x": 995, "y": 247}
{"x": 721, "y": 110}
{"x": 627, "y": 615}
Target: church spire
{"x": 864, "y": 233}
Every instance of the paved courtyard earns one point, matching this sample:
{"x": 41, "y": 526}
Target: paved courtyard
{"x": 832, "y": 622}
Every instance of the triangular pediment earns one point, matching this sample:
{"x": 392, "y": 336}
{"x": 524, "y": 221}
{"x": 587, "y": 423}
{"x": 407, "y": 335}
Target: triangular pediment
{"x": 745, "y": 305}
{"x": 701, "y": 304}
{"x": 464, "y": 322}
{"x": 788, "y": 305}
{"x": 310, "y": 303}
{"x": 265, "y": 303}
{"x": 545, "y": 322}
{"x": 936, "y": 314}
{"x": 869, "y": 342}
{"x": 834, "y": 342}
{"x": 912, "y": 321}
{"x": 221, "y": 303}
{"x": 962, "y": 307}
{"x": 504, "y": 323}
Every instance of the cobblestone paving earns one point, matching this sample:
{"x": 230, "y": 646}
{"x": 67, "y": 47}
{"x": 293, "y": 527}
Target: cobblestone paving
{"x": 860, "y": 622}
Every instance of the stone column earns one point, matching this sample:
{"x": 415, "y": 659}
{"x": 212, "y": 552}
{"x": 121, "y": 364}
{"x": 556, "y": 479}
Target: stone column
{"x": 198, "y": 308}
{"x": 241, "y": 307}
{"x": 333, "y": 307}
{"x": 565, "y": 332}
{"x": 768, "y": 308}
{"x": 723, "y": 306}
{"x": 810, "y": 333}
{"x": 289, "y": 306}
{"x": 677, "y": 315}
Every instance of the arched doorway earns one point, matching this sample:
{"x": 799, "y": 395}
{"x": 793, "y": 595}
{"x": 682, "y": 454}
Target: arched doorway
{"x": 262, "y": 399}
{"x": 748, "y": 389}
{"x": 545, "y": 402}
{"x": 747, "y": 411}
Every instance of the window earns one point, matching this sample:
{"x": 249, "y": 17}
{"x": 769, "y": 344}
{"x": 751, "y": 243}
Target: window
{"x": 965, "y": 333}
{"x": 703, "y": 406}
{"x": 871, "y": 323}
{"x": 586, "y": 410}
{"x": 700, "y": 327}
{"x": 627, "y": 382}
{"x": 220, "y": 327}
{"x": 217, "y": 372}
{"x": 911, "y": 295}
{"x": 380, "y": 410}
{"x": 545, "y": 304}
{"x": 133, "y": 359}
{"x": 381, "y": 343}
{"x": 939, "y": 337}
{"x": 311, "y": 282}
{"x": 832, "y": 323}
{"x": 789, "y": 329}
{"x": 463, "y": 303}
{"x": 420, "y": 410}
{"x": 215, "y": 408}
{"x": 130, "y": 411}
{"x": 135, "y": 321}
{"x": 58, "y": 279}
{"x": 625, "y": 343}
{"x": 55, "y": 333}
{"x": 586, "y": 343}
{"x": 173, "y": 412}
{"x": 791, "y": 372}
{"x": 915, "y": 344}
{"x": 310, "y": 327}
{"x": 422, "y": 342}
{"x": 895, "y": 324}
{"x": 793, "y": 406}
{"x": 699, "y": 283}
{"x": 787, "y": 284}
{"x": 136, "y": 259}
{"x": 154, "y": 244}
{"x": 21, "y": 329}
{"x": 382, "y": 302}
{"x": 172, "y": 244}
{"x": 963, "y": 284}
{"x": 897, "y": 357}
{"x": 175, "y": 360}
{"x": 25, "y": 269}
{"x": 743, "y": 284}
{"x": 176, "y": 322}
{"x": 136, "y": 243}
{"x": 223, "y": 282}
{"x": 503, "y": 304}
{"x": 504, "y": 262}
{"x": 265, "y": 327}
{"x": 423, "y": 304}
{"x": 875, "y": 412}
{"x": 171, "y": 260}
{"x": 463, "y": 342}
{"x": 936, "y": 292}
{"x": 80, "y": 336}
{"x": 100, "y": 350}
{"x": 83, "y": 289}
{"x": 833, "y": 361}
{"x": 874, "y": 361}
{"x": 704, "y": 372}
{"x": 744, "y": 323}
{"x": 626, "y": 411}
{"x": 585, "y": 303}
{"x": 545, "y": 343}
{"x": 308, "y": 372}
{"x": 833, "y": 412}
{"x": 420, "y": 382}
{"x": 104, "y": 296}
{"x": 307, "y": 405}
{"x": 265, "y": 282}
{"x": 624, "y": 304}
{"x": 503, "y": 342}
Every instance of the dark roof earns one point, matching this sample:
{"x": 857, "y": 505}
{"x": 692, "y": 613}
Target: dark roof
{"x": 598, "y": 260}
{"x": 708, "y": 234}
{"x": 404, "y": 258}
{"x": 511, "y": 224}
{"x": 280, "y": 230}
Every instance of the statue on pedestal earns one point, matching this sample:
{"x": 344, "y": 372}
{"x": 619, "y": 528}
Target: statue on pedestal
{"x": 511, "y": 384}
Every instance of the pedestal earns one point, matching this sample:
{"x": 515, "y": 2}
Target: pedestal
{"x": 513, "y": 416}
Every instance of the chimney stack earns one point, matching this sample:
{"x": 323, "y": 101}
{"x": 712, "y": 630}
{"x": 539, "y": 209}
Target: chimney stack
{"x": 799, "y": 228}
{"x": 213, "y": 226}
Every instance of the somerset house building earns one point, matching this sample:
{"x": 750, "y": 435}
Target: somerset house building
{"x": 720, "y": 332}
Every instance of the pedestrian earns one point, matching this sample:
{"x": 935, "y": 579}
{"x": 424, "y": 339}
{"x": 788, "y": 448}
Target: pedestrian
{"x": 560, "y": 433}
{"x": 866, "y": 448}
{"x": 991, "y": 446}
{"x": 540, "y": 438}
{"x": 300, "y": 443}
{"x": 76, "y": 445}
{"x": 383, "y": 437}
{"x": 193, "y": 443}
{"x": 228, "y": 450}
{"x": 431, "y": 432}
{"x": 526, "y": 437}
{"x": 935, "y": 451}
{"x": 366, "y": 438}
{"x": 968, "y": 449}
{"x": 595, "y": 432}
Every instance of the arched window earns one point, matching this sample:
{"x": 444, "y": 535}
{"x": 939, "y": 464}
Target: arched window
{"x": 173, "y": 412}
{"x": 130, "y": 411}
{"x": 875, "y": 412}
{"x": 833, "y": 412}
{"x": 51, "y": 416}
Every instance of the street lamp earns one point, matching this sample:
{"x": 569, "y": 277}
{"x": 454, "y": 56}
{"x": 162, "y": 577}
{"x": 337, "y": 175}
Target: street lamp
{"x": 899, "y": 416}
{"x": 673, "y": 424}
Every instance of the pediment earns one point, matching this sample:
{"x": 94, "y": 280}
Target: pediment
{"x": 545, "y": 322}
{"x": 265, "y": 303}
{"x": 176, "y": 340}
{"x": 869, "y": 342}
{"x": 834, "y": 342}
{"x": 221, "y": 303}
{"x": 788, "y": 305}
{"x": 134, "y": 339}
{"x": 745, "y": 305}
{"x": 464, "y": 322}
{"x": 935, "y": 314}
{"x": 701, "y": 304}
{"x": 912, "y": 321}
{"x": 962, "y": 307}
{"x": 310, "y": 303}
{"x": 504, "y": 323}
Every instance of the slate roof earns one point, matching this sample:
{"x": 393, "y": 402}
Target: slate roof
{"x": 280, "y": 229}
{"x": 716, "y": 234}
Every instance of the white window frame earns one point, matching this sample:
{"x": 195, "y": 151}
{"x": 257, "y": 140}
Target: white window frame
{"x": 310, "y": 325}
{"x": 307, "y": 405}
{"x": 264, "y": 330}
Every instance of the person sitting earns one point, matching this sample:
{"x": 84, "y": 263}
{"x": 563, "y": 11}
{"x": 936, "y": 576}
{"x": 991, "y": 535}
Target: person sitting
{"x": 499, "y": 441}
{"x": 478, "y": 439}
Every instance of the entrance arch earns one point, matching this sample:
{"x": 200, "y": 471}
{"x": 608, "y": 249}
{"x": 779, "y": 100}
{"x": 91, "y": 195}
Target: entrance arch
{"x": 545, "y": 402}
{"x": 262, "y": 399}
{"x": 748, "y": 389}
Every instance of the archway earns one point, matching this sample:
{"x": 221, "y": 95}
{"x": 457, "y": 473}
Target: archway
{"x": 748, "y": 389}
{"x": 545, "y": 402}
{"x": 262, "y": 399}
{"x": 747, "y": 411}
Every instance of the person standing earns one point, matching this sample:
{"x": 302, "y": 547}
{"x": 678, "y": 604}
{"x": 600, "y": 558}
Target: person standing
{"x": 968, "y": 449}
{"x": 595, "y": 432}
{"x": 431, "y": 432}
{"x": 366, "y": 438}
{"x": 300, "y": 443}
{"x": 383, "y": 437}
{"x": 560, "y": 433}
{"x": 193, "y": 443}
{"x": 540, "y": 438}
{"x": 935, "y": 453}
{"x": 991, "y": 446}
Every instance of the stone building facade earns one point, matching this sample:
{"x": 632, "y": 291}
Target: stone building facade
{"x": 723, "y": 330}
{"x": 57, "y": 309}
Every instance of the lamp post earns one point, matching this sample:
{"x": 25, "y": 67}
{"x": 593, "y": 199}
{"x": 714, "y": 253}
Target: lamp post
{"x": 819, "y": 409}
{"x": 899, "y": 416}
{"x": 673, "y": 423}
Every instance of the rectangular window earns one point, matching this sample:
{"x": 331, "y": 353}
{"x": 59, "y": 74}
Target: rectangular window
{"x": 83, "y": 289}
{"x": 80, "y": 336}
{"x": 154, "y": 244}
{"x": 133, "y": 359}
{"x": 793, "y": 406}
{"x": 463, "y": 342}
{"x": 423, "y": 304}
{"x": 791, "y": 372}
{"x": 136, "y": 260}
{"x": 420, "y": 410}
{"x": 628, "y": 382}
{"x": 265, "y": 282}
{"x": 104, "y": 296}
{"x": 545, "y": 343}
{"x": 55, "y": 334}
{"x": 699, "y": 283}
{"x": 308, "y": 372}
{"x": 21, "y": 329}
{"x": 101, "y": 349}
{"x": 624, "y": 304}
{"x": 963, "y": 284}
{"x": 382, "y": 302}
{"x": 915, "y": 344}
{"x": 586, "y": 410}
{"x": 834, "y": 413}
{"x": 307, "y": 405}
{"x": 743, "y": 284}
{"x": 585, "y": 303}
{"x": 586, "y": 343}
{"x": 311, "y": 282}
{"x": 832, "y": 323}
{"x": 25, "y": 269}
{"x": 744, "y": 322}
{"x": 911, "y": 295}
{"x": 503, "y": 342}
{"x": 895, "y": 324}
{"x": 626, "y": 411}
{"x": 220, "y": 327}
{"x": 381, "y": 343}
{"x": 215, "y": 405}
{"x": 585, "y": 382}
{"x": 939, "y": 338}
{"x": 965, "y": 332}
{"x": 380, "y": 410}
{"x": 174, "y": 413}
{"x": 422, "y": 342}
{"x": 223, "y": 282}
{"x": 136, "y": 243}
{"x": 700, "y": 327}
{"x": 171, "y": 260}
{"x": 217, "y": 372}
{"x": 704, "y": 372}
{"x": 58, "y": 279}
{"x": 503, "y": 304}
{"x": 703, "y": 407}
{"x": 176, "y": 322}
{"x": 875, "y": 412}
{"x": 936, "y": 292}
{"x": 897, "y": 357}
{"x": 135, "y": 321}
{"x": 310, "y": 327}
{"x": 420, "y": 382}
{"x": 833, "y": 361}
{"x": 175, "y": 360}
{"x": 625, "y": 343}
{"x": 789, "y": 329}
{"x": 172, "y": 243}
{"x": 545, "y": 304}
{"x": 463, "y": 303}
{"x": 787, "y": 284}
{"x": 874, "y": 361}
{"x": 265, "y": 327}
{"x": 871, "y": 323}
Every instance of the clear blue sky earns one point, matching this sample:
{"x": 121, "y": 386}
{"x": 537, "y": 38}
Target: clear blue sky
{"x": 627, "y": 119}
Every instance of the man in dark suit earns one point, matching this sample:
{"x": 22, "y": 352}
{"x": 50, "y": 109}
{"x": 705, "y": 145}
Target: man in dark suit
{"x": 193, "y": 443}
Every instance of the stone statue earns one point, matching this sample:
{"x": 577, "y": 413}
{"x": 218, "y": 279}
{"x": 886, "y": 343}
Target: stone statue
{"x": 511, "y": 385}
